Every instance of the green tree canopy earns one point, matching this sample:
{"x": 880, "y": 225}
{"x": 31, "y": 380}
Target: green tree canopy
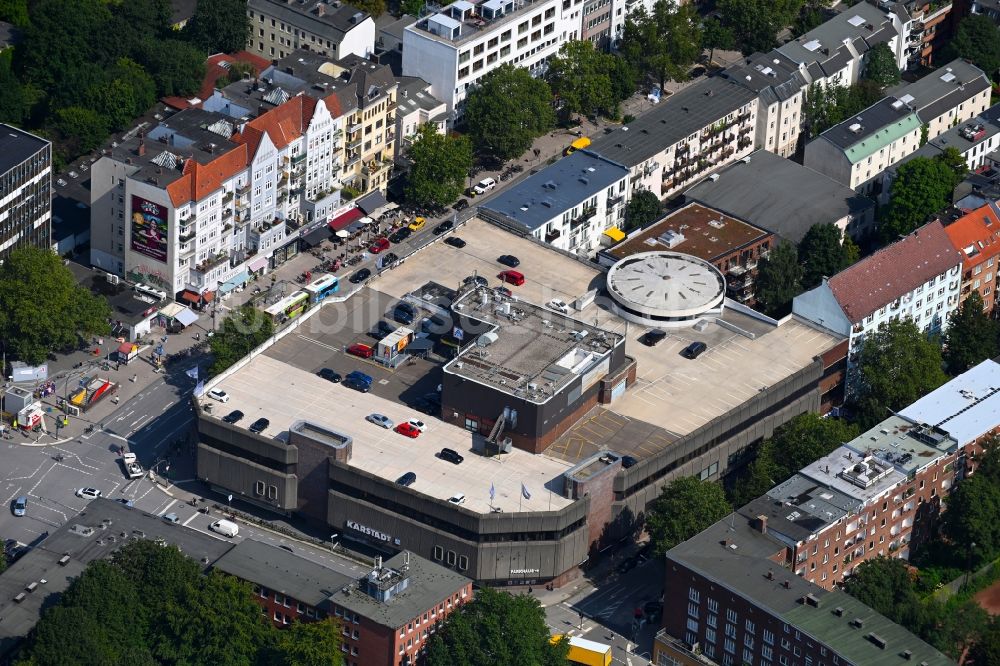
{"x": 826, "y": 106}
{"x": 580, "y": 77}
{"x": 779, "y": 280}
{"x": 411, "y": 7}
{"x": 922, "y": 186}
{"x": 663, "y": 43}
{"x": 125, "y": 94}
{"x": 886, "y": 585}
{"x": 241, "y": 332}
{"x": 973, "y": 517}
{"x": 644, "y": 207}
{"x": 880, "y": 67}
{"x": 756, "y": 23}
{"x": 219, "y": 26}
{"x": 824, "y": 252}
{"x": 714, "y": 35}
{"x": 897, "y": 365}
{"x": 307, "y": 644}
{"x": 496, "y": 628}
{"x": 440, "y": 165}
{"x": 977, "y": 39}
{"x": 374, "y": 7}
{"x": 972, "y": 336}
{"x": 507, "y": 111}
{"x": 177, "y": 67}
{"x": 68, "y": 312}
{"x": 685, "y": 507}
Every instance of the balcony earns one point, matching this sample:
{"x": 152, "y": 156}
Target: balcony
{"x": 227, "y": 197}
{"x": 298, "y": 159}
{"x": 227, "y": 212}
{"x": 213, "y": 262}
{"x": 185, "y": 250}
{"x": 374, "y": 167}
{"x": 186, "y": 238}
{"x": 353, "y": 129}
{"x": 244, "y": 189}
{"x": 354, "y": 143}
{"x": 551, "y": 236}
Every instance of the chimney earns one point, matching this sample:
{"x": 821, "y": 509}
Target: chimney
{"x": 762, "y": 523}
{"x": 770, "y": 575}
{"x": 785, "y": 584}
{"x": 320, "y": 9}
{"x": 141, "y": 150}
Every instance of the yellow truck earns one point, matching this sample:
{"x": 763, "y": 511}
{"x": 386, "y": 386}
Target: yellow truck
{"x": 579, "y": 144}
{"x": 586, "y": 653}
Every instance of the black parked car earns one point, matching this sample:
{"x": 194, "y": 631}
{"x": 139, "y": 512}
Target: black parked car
{"x": 443, "y": 227}
{"x": 360, "y": 276}
{"x": 476, "y": 280}
{"x": 259, "y": 426}
{"x": 653, "y": 337}
{"x": 461, "y": 204}
{"x": 329, "y": 375}
{"x": 509, "y": 260}
{"x": 407, "y": 479}
{"x": 694, "y": 350}
{"x": 357, "y": 385}
{"x": 389, "y": 258}
{"x": 404, "y": 313}
{"x": 628, "y": 461}
{"x": 233, "y": 416}
{"x": 451, "y": 456}
{"x": 400, "y": 235}
{"x": 454, "y": 241}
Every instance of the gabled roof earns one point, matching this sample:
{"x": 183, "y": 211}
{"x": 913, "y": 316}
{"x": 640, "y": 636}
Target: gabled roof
{"x": 976, "y": 235}
{"x": 893, "y": 271}
{"x": 287, "y": 122}
{"x": 200, "y": 180}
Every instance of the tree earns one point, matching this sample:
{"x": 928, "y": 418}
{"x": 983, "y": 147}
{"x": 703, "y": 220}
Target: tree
{"x": 307, "y": 644}
{"x": 411, "y": 7}
{"x": 496, "y": 628}
{"x": 242, "y": 331}
{"x": 67, "y": 312}
{"x": 881, "y": 67}
{"x": 219, "y": 26}
{"x": 14, "y": 11}
{"x": 779, "y": 280}
{"x": 685, "y": 507}
{"x": 987, "y": 649}
{"x": 440, "y": 166}
{"x": 756, "y": 23}
{"x": 127, "y": 93}
{"x": 507, "y": 111}
{"x": 824, "y": 252}
{"x": 976, "y": 39}
{"x": 714, "y": 35}
{"x": 973, "y": 517}
{"x": 886, "y": 585}
{"x": 77, "y": 130}
{"x": 972, "y": 336}
{"x": 922, "y": 186}
{"x": 579, "y": 76}
{"x": 644, "y": 207}
{"x": 374, "y": 7}
{"x": 825, "y": 106}
{"x": 664, "y": 42}
{"x": 897, "y": 365}
{"x": 177, "y": 67}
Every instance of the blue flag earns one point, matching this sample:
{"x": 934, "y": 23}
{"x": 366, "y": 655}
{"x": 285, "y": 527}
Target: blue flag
{"x": 192, "y": 373}
{"x": 493, "y": 492}
{"x": 524, "y": 491}
{"x": 199, "y": 389}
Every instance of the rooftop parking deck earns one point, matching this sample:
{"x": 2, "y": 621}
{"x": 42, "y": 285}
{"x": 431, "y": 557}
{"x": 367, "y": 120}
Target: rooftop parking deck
{"x": 283, "y": 394}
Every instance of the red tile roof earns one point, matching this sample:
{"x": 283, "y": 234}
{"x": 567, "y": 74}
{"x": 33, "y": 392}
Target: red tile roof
{"x": 976, "y": 235}
{"x": 893, "y": 271}
{"x": 200, "y": 180}
{"x": 215, "y": 71}
{"x": 287, "y": 122}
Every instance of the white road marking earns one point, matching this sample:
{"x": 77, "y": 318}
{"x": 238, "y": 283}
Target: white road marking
{"x": 193, "y": 516}
{"x": 167, "y": 507}
{"x": 317, "y": 342}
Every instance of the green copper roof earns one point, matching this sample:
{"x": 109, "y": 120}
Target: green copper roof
{"x": 882, "y": 138}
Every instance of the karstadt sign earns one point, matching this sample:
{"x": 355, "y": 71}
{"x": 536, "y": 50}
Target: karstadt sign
{"x": 373, "y": 533}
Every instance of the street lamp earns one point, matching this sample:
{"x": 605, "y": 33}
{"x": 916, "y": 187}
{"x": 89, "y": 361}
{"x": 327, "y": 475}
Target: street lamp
{"x": 968, "y": 564}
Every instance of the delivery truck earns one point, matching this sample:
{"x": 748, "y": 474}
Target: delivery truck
{"x": 585, "y": 652}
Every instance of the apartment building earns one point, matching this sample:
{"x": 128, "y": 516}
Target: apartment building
{"x": 568, "y": 204}
{"x": 977, "y": 236}
{"x": 690, "y": 134}
{"x": 930, "y": 25}
{"x": 918, "y": 276}
{"x": 25, "y": 190}
{"x": 952, "y": 94}
{"x": 454, "y": 48}
{"x": 729, "y": 597}
{"x": 415, "y": 107}
{"x": 597, "y": 25}
{"x": 206, "y": 198}
{"x": 975, "y": 139}
{"x": 332, "y": 28}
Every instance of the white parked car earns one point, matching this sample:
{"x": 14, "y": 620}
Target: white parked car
{"x": 418, "y": 424}
{"x": 558, "y": 305}
{"x": 380, "y": 420}
{"x": 218, "y": 394}
{"x": 88, "y": 493}
{"x": 225, "y": 528}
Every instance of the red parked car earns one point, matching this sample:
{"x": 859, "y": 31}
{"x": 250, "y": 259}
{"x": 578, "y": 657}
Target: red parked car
{"x": 407, "y": 429}
{"x": 380, "y": 245}
{"x": 364, "y": 351}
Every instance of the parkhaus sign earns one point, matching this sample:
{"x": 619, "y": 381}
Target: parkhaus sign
{"x": 373, "y": 533}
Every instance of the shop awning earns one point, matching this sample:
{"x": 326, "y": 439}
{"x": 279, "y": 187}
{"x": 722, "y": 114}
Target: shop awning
{"x": 170, "y": 310}
{"x": 342, "y": 221}
{"x": 125, "y": 348}
{"x": 258, "y": 264}
{"x": 191, "y": 297}
{"x": 208, "y": 296}
{"x": 615, "y": 234}
{"x": 316, "y": 236}
{"x": 186, "y": 317}
{"x": 373, "y": 204}
{"x": 234, "y": 282}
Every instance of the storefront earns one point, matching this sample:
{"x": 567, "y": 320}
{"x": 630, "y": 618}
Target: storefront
{"x": 235, "y": 282}
{"x": 284, "y": 253}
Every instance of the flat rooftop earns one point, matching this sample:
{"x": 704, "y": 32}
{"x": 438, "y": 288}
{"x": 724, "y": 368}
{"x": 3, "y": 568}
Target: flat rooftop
{"x": 457, "y": 17}
{"x": 966, "y": 407}
{"x": 673, "y": 396}
{"x": 384, "y": 453}
{"x": 529, "y": 351}
{"x": 16, "y": 146}
{"x": 695, "y": 229}
{"x": 778, "y": 195}
{"x": 800, "y": 507}
{"x": 871, "y": 130}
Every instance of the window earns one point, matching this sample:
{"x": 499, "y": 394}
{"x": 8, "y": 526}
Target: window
{"x": 695, "y": 596}
{"x": 693, "y": 609}
{"x": 713, "y": 605}
{"x": 731, "y": 615}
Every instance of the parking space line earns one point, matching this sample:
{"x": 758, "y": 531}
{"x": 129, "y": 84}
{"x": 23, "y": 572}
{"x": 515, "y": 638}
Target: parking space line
{"x": 167, "y": 507}
{"x": 193, "y": 516}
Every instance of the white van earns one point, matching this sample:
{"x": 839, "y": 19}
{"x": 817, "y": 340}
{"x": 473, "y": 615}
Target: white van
{"x": 484, "y": 186}
{"x": 225, "y": 528}
{"x": 457, "y": 498}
